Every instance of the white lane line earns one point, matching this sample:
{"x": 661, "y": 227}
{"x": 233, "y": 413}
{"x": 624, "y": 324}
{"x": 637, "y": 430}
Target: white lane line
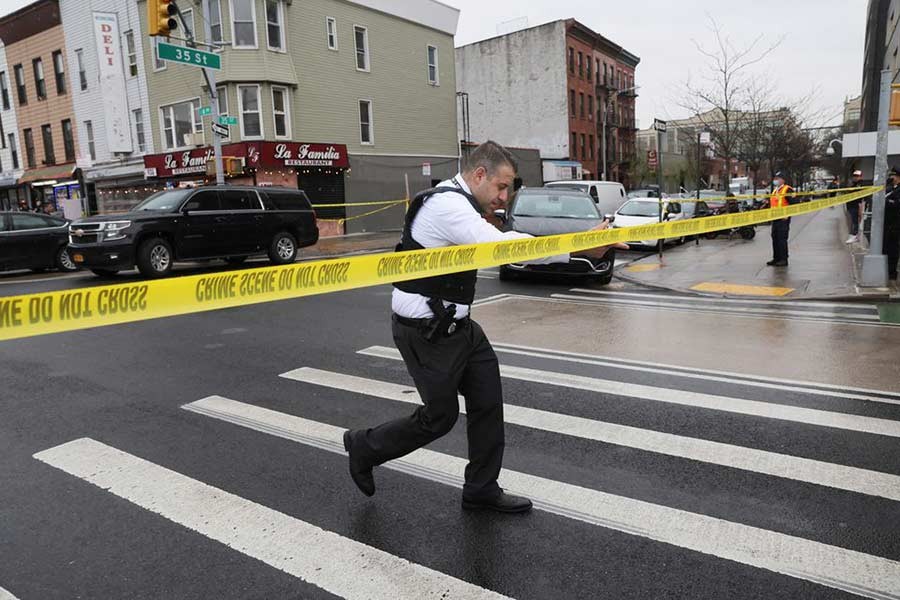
{"x": 795, "y": 303}
{"x": 5, "y": 595}
{"x": 490, "y": 300}
{"x": 480, "y": 276}
{"x": 585, "y": 301}
{"x": 796, "y": 414}
{"x": 793, "y": 385}
{"x": 852, "y": 479}
{"x": 721, "y": 309}
{"x": 831, "y": 566}
{"x": 339, "y": 565}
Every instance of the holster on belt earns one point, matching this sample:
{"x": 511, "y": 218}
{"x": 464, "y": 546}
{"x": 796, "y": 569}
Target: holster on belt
{"x": 442, "y": 321}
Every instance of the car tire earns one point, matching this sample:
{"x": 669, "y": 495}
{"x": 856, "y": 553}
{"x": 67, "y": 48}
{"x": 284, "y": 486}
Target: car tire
{"x": 283, "y": 248}
{"x": 236, "y": 260}
{"x": 64, "y": 261}
{"x": 605, "y": 280}
{"x": 104, "y": 272}
{"x": 507, "y": 274}
{"x": 155, "y": 258}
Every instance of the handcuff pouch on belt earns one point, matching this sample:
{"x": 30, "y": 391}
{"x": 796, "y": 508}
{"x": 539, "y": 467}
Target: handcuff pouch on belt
{"x": 443, "y": 323}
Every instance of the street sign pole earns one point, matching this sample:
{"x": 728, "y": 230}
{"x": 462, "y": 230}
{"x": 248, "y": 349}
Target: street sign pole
{"x": 874, "y": 267}
{"x": 660, "y": 127}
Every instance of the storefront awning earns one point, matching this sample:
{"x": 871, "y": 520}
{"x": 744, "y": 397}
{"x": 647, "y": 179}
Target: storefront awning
{"x": 47, "y": 174}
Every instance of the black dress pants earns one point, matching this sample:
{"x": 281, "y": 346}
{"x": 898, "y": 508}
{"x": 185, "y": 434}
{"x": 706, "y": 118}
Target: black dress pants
{"x": 781, "y": 231}
{"x": 461, "y": 363}
{"x": 892, "y": 249}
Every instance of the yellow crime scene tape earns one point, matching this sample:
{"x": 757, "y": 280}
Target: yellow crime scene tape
{"x": 59, "y": 311}
{"x": 765, "y": 195}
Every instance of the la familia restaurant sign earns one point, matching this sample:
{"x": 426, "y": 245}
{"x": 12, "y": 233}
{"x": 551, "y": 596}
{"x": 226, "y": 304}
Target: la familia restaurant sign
{"x": 265, "y": 154}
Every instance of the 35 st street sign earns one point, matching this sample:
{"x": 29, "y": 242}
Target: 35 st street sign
{"x": 189, "y": 56}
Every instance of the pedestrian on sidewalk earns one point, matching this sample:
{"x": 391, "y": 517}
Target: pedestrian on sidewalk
{"x": 834, "y": 184}
{"x": 445, "y": 351}
{"x": 855, "y": 209}
{"x": 781, "y": 228}
{"x": 892, "y": 222}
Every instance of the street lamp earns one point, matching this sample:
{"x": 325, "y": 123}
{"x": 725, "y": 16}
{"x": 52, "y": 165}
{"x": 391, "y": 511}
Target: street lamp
{"x": 830, "y": 150}
{"x": 606, "y": 104}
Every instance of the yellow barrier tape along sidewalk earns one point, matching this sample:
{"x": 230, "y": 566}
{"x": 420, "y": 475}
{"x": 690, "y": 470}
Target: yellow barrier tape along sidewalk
{"x": 54, "y": 312}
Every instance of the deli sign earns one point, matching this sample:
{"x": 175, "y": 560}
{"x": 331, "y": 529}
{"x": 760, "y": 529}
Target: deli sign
{"x": 294, "y": 154}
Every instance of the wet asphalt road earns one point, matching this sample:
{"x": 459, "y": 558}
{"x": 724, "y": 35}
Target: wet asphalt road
{"x": 616, "y": 391}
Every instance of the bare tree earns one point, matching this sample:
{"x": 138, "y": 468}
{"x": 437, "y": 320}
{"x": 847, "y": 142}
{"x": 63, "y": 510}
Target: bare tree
{"x": 718, "y": 101}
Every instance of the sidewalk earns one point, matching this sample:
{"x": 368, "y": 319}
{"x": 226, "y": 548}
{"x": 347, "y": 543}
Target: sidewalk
{"x": 821, "y": 265}
{"x": 354, "y": 243}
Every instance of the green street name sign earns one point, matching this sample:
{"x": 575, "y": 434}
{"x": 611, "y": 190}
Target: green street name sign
{"x": 225, "y": 120}
{"x": 189, "y": 56}
{"x": 205, "y": 110}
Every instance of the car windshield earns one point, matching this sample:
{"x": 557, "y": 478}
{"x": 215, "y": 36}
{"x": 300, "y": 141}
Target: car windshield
{"x": 168, "y": 200}
{"x": 639, "y": 209}
{"x": 642, "y": 194}
{"x": 554, "y": 205}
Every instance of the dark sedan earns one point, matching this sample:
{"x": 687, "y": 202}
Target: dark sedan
{"x": 554, "y": 211}
{"x": 33, "y": 241}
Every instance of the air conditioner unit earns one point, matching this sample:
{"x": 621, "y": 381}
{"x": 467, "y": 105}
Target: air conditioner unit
{"x": 194, "y": 139}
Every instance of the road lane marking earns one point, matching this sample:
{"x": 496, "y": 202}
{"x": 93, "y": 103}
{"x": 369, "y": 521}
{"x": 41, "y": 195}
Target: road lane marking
{"x": 807, "y": 387}
{"x": 5, "y": 595}
{"x": 686, "y": 307}
{"x": 839, "y": 568}
{"x": 848, "y": 306}
{"x": 852, "y": 479}
{"x": 768, "y": 410}
{"x": 339, "y": 565}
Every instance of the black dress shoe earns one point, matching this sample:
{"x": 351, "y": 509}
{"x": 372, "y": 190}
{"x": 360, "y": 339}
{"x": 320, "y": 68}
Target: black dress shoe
{"x": 360, "y": 471}
{"x": 505, "y": 503}
{"x": 777, "y": 263}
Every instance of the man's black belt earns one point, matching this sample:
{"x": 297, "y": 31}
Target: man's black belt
{"x": 429, "y": 324}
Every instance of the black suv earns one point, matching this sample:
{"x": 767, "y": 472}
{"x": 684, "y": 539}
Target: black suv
{"x": 202, "y": 223}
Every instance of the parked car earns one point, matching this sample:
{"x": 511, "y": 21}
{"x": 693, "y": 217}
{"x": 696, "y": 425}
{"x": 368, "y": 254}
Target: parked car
{"x": 648, "y": 192}
{"x": 553, "y": 211}
{"x": 608, "y": 195}
{"x": 644, "y": 211}
{"x": 226, "y": 222}
{"x": 34, "y": 241}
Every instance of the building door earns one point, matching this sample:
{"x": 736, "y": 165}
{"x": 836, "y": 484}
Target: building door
{"x": 324, "y": 188}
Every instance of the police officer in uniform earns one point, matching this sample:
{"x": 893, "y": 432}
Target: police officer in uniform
{"x": 781, "y": 228}
{"x": 892, "y": 222}
{"x": 445, "y": 351}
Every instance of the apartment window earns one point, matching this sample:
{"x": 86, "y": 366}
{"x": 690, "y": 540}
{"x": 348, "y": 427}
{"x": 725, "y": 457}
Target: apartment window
{"x": 20, "y": 85}
{"x": 581, "y": 105}
{"x": 39, "y": 84}
{"x": 4, "y": 89}
{"x": 12, "y": 148}
{"x": 251, "y": 119}
{"x": 590, "y": 107}
{"x": 274, "y": 28}
{"x": 68, "y": 140}
{"x": 180, "y": 120}
{"x": 598, "y": 70}
{"x": 281, "y": 112}
{"x": 138, "y": 116}
{"x": 158, "y": 63}
{"x": 433, "y": 65}
{"x": 583, "y": 147}
{"x": 580, "y": 64}
{"x": 59, "y": 72}
{"x": 571, "y": 60}
{"x": 215, "y": 20}
{"x": 243, "y": 23}
{"x": 89, "y": 131}
{"x": 572, "y": 103}
{"x": 591, "y": 147}
{"x": 131, "y": 54}
{"x": 590, "y": 75}
{"x": 82, "y": 76}
{"x": 365, "y": 122}
{"x": 573, "y": 149}
{"x": 331, "y": 33}
{"x": 29, "y": 148}
{"x": 222, "y": 99}
{"x": 361, "y": 35}
{"x": 605, "y": 74}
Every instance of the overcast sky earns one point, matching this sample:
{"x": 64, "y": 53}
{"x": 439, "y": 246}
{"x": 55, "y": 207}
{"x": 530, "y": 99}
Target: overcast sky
{"x": 823, "y": 49}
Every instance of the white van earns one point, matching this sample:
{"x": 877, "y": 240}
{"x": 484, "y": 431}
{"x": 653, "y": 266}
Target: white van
{"x": 608, "y": 195}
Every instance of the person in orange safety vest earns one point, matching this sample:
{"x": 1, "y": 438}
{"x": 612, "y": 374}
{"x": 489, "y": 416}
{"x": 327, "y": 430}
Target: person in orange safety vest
{"x": 781, "y": 228}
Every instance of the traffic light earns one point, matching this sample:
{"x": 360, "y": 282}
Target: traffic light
{"x": 161, "y": 17}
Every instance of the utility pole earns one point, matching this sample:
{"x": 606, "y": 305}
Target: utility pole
{"x": 874, "y": 267}
{"x": 660, "y": 127}
{"x": 210, "y": 76}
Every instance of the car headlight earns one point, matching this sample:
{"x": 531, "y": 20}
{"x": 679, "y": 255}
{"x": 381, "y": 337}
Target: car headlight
{"x": 113, "y": 230}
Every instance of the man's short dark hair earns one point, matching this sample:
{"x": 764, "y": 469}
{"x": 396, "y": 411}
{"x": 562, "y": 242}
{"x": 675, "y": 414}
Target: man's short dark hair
{"x": 491, "y": 156}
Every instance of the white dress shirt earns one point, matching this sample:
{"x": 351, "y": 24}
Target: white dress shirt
{"x": 447, "y": 219}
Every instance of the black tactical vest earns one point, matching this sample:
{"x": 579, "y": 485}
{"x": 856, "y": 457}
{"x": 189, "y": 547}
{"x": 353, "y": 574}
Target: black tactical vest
{"x": 458, "y": 288}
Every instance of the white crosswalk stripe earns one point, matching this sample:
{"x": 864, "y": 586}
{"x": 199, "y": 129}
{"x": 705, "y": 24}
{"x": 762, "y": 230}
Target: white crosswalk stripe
{"x": 5, "y": 595}
{"x": 827, "y": 565}
{"x": 334, "y": 563}
{"x": 754, "y": 408}
{"x": 749, "y": 459}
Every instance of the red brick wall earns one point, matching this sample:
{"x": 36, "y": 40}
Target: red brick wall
{"x": 583, "y": 124}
